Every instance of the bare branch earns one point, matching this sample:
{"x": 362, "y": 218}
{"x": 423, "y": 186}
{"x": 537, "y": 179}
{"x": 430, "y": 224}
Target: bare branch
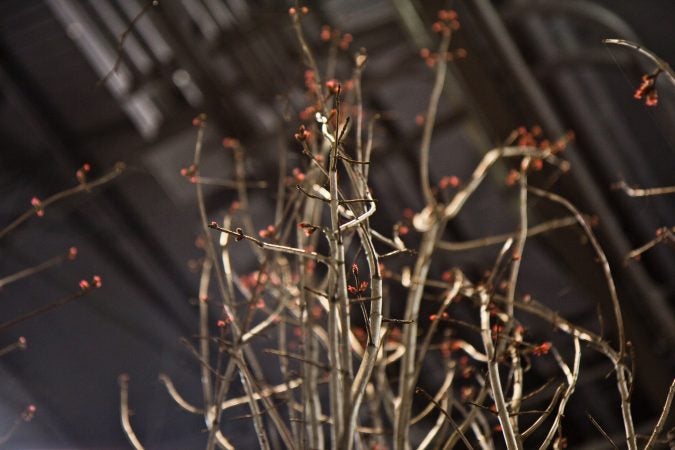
{"x": 125, "y": 413}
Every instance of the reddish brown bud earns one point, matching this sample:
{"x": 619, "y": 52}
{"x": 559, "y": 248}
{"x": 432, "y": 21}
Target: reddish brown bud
{"x": 29, "y": 413}
{"x": 325, "y": 33}
{"x": 37, "y": 204}
{"x": 199, "y": 121}
{"x": 230, "y": 142}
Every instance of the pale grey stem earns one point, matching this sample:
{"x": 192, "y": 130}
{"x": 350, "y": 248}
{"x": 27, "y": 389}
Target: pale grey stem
{"x": 501, "y": 238}
{"x": 308, "y": 57}
{"x": 663, "y": 65}
{"x": 663, "y": 234}
{"x": 19, "y": 344}
{"x": 204, "y": 335}
{"x": 263, "y": 393}
{"x": 512, "y": 440}
{"x": 175, "y": 395}
{"x": 447, "y": 299}
{"x": 572, "y": 377}
{"x": 312, "y": 403}
{"x": 432, "y": 226}
{"x": 374, "y": 320}
{"x": 407, "y": 371}
{"x": 242, "y": 194}
{"x": 511, "y": 293}
{"x": 447, "y": 382}
{"x": 648, "y": 192}
{"x": 622, "y": 382}
{"x": 430, "y": 118}
{"x": 540, "y": 420}
{"x": 51, "y": 262}
{"x": 601, "y": 256}
{"x": 124, "y": 413}
{"x": 272, "y": 247}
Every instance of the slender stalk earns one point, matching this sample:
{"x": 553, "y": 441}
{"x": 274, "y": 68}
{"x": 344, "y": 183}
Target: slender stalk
{"x": 430, "y": 118}
{"x": 339, "y": 303}
{"x": 540, "y": 420}
{"x": 550, "y": 225}
{"x": 308, "y": 57}
{"x": 19, "y": 344}
{"x": 622, "y": 380}
{"x": 229, "y": 311}
{"x": 82, "y": 187}
{"x": 124, "y": 413}
{"x": 51, "y": 262}
{"x": 204, "y": 335}
{"x": 663, "y": 234}
{"x": 661, "y": 64}
{"x": 601, "y": 256}
{"x": 407, "y": 372}
{"x": 648, "y": 192}
{"x": 572, "y": 378}
{"x": 510, "y": 298}
{"x": 239, "y": 234}
{"x": 665, "y": 412}
{"x": 513, "y": 441}
{"x": 42, "y": 310}
{"x": 175, "y": 395}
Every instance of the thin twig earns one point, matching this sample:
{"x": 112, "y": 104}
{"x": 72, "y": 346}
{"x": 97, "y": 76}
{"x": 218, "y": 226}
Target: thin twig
{"x": 204, "y": 335}
{"x": 239, "y": 235}
{"x": 639, "y": 192}
{"x": 430, "y": 117}
{"x": 572, "y": 378}
{"x": 82, "y": 187}
{"x": 124, "y": 412}
{"x": 601, "y": 256}
{"x": 51, "y": 262}
{"x": 19, "y": 344}
{"x": 175, "y": 395}
{"x": 513, "y": 441}
{"x": 123, "y": 37}
{"x": 501, "y": 238}
{"x": 663, "y": 234}
{"x": 44, "y": 309}
{"x": 540, "y": 420}
{"x": 622, "y": 382}
{"x": 419, "y": 390}
{"x": 665, "y": 412}
{"x": 603, "y": 432}
{"x": 660, "y": 63}
{"x": 229, "y": 184}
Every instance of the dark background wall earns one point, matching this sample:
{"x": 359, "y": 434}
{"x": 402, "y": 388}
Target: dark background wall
{"x": 530, "y": 62}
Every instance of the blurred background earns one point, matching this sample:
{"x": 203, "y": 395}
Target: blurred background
{"x": 529, "y": 62}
